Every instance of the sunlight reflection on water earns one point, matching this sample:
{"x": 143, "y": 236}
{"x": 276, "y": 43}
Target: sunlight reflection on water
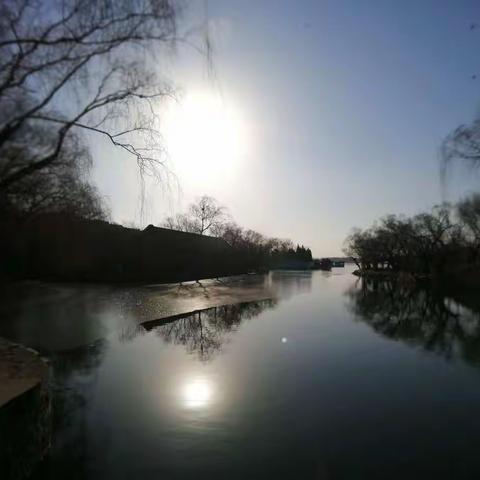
{"x": 197, "y": 393}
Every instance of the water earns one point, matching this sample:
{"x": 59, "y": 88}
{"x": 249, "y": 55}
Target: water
{"x": 322, "y": 378}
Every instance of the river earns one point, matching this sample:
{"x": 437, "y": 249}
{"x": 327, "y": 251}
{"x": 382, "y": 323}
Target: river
{"x": 289, "y": 375}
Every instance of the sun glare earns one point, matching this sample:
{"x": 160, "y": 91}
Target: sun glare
{"x": 205, "y": 137}
{"x": 197, "y": 393}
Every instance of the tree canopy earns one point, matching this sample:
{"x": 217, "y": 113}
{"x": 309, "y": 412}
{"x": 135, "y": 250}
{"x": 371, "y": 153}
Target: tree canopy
{"x": 208, "y": 217}
{"x": 426, "y": 243}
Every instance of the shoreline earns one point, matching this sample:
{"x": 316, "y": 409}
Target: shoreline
{"x": 462, "y": 279}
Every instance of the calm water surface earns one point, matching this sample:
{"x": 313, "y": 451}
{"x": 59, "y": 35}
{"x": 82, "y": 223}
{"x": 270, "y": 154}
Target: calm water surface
{"x": 320, "y": 378}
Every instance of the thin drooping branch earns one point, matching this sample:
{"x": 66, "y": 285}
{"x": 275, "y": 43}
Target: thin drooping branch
{"x": 463, "y": 144}
{"x": 67, "y": 49}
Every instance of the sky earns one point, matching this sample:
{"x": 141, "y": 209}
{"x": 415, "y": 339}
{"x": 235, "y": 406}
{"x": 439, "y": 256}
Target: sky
{"x": 316, "y": 116}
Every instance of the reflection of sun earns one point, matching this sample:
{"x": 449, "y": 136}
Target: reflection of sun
{"x": 197, "y": 393}
{"x": 205, "y": 137}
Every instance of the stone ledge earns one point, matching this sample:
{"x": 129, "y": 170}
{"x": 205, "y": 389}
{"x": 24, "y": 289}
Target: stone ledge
{"x": 21, "y": 369}
{"x": 25, "y": 410}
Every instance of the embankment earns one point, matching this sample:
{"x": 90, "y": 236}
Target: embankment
{"x": 25, "y": 410}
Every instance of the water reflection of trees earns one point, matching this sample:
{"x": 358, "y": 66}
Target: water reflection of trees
{"x": 421, "y": 317}
{"x": 204, "y": 332}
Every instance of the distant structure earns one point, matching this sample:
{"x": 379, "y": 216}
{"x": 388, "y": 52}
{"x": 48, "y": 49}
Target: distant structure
{"x": 328, "y": 263}
{"x": 322, "y": 264}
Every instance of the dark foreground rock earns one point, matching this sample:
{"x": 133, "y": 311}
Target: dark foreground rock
{"x": 25, "y": 410}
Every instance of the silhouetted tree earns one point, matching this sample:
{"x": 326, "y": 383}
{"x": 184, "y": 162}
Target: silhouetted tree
{"x": 469, "y": 214}
{"x": 80, "y": 65}
{"x": 181, "y": 222}
{"x": 62, "y": 186}
{"x": 426, "y": 243}
{"x": 208, "y": 215}
{"x": 205, "y": 217}
{"x": 232, "y": 234}
{"x": 253, "y": 250}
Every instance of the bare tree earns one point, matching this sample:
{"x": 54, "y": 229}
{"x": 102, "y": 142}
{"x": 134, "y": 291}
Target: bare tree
{"x": 427, "y": 243}
{"x": 468, "y": 211}
{"x": 208, "y": 215}
{"x": 80, "y": 64}
{"x": 181, "y": 222}
{"x": 233, "y": 234}
{"x": 205, "y": 217}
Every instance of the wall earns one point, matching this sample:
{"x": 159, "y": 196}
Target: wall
{"x": 57, "y": 247}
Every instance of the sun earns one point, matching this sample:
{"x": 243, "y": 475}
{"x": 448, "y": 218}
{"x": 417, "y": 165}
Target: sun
{"x": 205, "y": 137}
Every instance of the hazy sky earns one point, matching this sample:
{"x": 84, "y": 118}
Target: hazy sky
{"x": 328, "y": 114}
